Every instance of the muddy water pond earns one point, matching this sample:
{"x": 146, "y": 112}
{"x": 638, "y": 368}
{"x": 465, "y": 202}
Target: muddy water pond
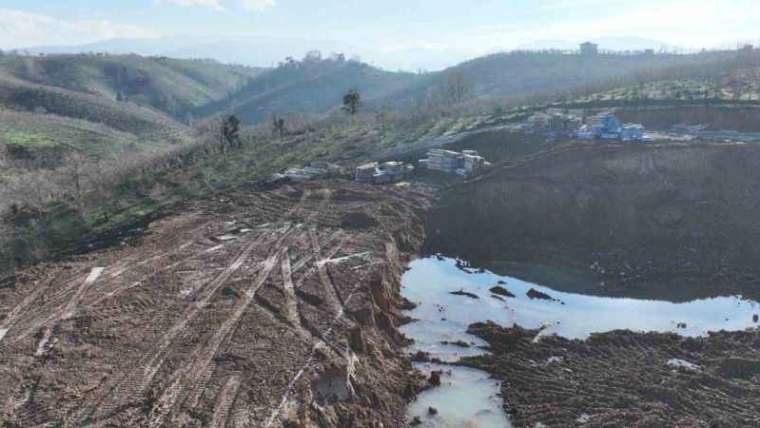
{"x": 451, "y": 296}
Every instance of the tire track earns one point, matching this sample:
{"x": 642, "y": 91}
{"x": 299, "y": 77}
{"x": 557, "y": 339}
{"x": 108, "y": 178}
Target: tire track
{"x": 17, "y": 312}
{"x": 133, "y": 384}
{"x": 52, "y": 300}
{"x": 291, "y": 302}
{"x": 224, "y": 402}
{"x": 67, "y": 311}
{"x": 324, "y": 277}
{"x": 122, "y": 289}
{"x": 160, "y": 255}
{"x": 310, "y": 362}
{"x": 71, "y": 307}
{"x": 197, "y": 373}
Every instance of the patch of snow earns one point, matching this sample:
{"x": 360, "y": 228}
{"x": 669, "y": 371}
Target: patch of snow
{"x": 583, "y": 419}
{"x": 3, "y": 332}
{"x": 43, "y": 343}
{"x": 342, "y": 259}
{"x": 683, "y": 364}
{"x": 554, "y": 360}
{"x": 226, "y": 237}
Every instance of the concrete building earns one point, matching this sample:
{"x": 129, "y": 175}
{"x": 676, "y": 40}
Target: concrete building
{"x": 589, "y": 49}
{"x": 553, "y": 123}
{"x": 465, "y": 163}
{"x": 365, "y": 173}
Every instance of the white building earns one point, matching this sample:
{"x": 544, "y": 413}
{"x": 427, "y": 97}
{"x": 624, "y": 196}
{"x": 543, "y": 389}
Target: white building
{"x": 465, "y": 163}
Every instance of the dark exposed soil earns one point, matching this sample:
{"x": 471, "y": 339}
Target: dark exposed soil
{"x": 465, "y": 294}
{"x": 625, "y": 379}
{"x": 667, "y": 221}
{"x": 501, "y": 291}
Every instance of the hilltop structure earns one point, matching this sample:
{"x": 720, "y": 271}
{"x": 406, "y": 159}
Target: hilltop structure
{"x": 464, "y": 164}
{"x": 589, "y": 49}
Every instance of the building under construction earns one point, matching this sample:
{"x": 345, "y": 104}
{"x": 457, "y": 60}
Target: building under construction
{"x": 465, "y": 163}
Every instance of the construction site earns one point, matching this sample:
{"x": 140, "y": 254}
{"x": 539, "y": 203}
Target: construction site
{"x": 249, "y": 310}
{"x": 340, "y": 303}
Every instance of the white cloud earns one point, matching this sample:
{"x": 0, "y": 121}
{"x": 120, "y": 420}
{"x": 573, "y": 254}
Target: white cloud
{"x": 249, "y": 5}
{"x": 257, "y": 5}
{"x": 19, "y": 29}
{"x": 213, "y": 4}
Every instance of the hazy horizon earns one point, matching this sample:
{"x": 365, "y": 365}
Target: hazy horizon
{"x": 421, "y": 34}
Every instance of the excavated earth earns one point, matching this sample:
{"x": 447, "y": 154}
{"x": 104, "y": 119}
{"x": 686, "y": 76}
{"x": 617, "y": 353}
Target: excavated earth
{"x": 625, "y": 379}
{"x": 256, "y": 309}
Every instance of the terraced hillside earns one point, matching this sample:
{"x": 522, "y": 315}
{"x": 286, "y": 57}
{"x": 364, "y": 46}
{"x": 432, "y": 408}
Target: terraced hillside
{"x": 251, "y": 309}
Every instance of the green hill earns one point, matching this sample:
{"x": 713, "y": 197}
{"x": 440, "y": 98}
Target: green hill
{"x": 521, "y": 74}
{"x": 309, "y": 86}
{"x": 35, "y": 116}
{"x": 170, "y": 85}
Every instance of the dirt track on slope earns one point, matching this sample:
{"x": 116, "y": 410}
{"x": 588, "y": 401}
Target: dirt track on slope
{"x": 252, "y": 309}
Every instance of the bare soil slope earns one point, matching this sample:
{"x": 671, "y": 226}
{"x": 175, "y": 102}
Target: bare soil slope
{"x": 252, "y": 309}
{"x": 671, "y": 221}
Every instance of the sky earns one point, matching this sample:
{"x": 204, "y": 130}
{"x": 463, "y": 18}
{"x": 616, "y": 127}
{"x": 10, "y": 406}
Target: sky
{"x": 455, "y": 28}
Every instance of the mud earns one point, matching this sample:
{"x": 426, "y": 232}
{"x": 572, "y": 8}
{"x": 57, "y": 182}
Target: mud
{"x": 625, "y": 379}
{"x": 252, "y": 309}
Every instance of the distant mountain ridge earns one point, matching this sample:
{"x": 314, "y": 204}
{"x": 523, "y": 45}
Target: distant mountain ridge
{"x": 617, "y": 44}
{"x": 268, "y": 51}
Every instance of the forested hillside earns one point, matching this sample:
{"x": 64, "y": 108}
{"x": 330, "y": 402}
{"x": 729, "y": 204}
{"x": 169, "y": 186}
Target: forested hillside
{"x": 313, "y": 85}
{"x": 524, "y": 74}
{"x": 170, "y": 85}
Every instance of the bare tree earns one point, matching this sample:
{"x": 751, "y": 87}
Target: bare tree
{"x": 230, "y": 132}
{"x": 458, "y": 88}
{"x": 278, "y": 125}
{"x": 74, "y": 174}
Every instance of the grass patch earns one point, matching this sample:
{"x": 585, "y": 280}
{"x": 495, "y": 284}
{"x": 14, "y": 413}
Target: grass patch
{"x": 27, "y": 139}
